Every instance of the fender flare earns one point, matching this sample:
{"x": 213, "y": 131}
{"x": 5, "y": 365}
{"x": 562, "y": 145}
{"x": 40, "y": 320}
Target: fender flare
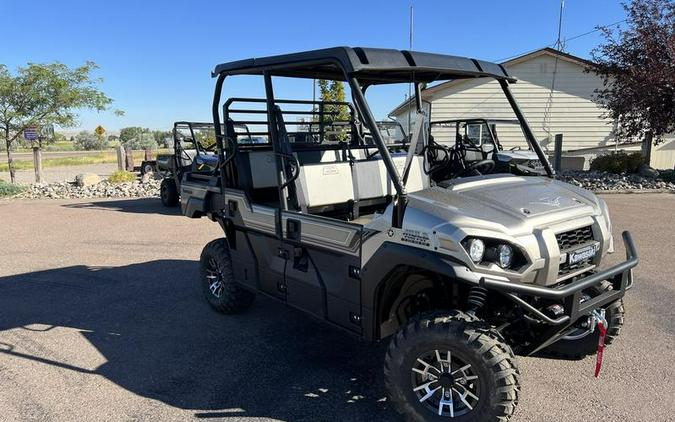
{"x": 378, "y": 271}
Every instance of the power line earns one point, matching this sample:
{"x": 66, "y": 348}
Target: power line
{"x": 599, "y": 28}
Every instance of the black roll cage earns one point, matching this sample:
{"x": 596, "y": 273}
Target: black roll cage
{"x": 360, "y": 68}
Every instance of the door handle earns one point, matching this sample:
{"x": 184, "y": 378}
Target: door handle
{"x": 293, "y": 230}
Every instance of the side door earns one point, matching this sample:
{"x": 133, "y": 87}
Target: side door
{"x": 322, "y": 273}
{"x": 258, "y": 259}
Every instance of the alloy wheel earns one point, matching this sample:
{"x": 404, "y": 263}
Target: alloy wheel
{"x": 445, "y": 384}
{"x": 214, "y": 277}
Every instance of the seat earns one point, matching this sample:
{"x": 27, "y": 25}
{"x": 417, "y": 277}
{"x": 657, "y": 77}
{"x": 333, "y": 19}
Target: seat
{"x": 372, "y": 179}
{"x": 417, "y": 179}
{"x": 324, "y": 186}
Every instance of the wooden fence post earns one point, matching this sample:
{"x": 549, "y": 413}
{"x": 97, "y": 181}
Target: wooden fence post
{"x": 120, "y": 157}
{"x": 557, "y": 152}
{"x": 129, "y": 158}
{"x": 148, "y": 154}
{"x": 37, "y": 163}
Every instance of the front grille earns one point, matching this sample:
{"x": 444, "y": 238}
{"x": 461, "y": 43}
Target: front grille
{"x": 566, "y": 268}
{"x": 573, "y": 238}
{"x": 570, "y": 240}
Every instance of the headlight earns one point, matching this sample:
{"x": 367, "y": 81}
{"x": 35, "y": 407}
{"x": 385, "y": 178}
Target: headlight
{"x": 504, "y": 256}
{"x": 476, "y": 250}
{"x": 485, "y": 251}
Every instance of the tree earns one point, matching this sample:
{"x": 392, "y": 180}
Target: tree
{"x": 137, "y": 138}
{"x": 90, "y": 141}
{"x": 206, "y": 138}
{"x": 334, "y": 91}
{"x": 637, "y": 65}
{"x": 163, "y": 137}
{"x": 45, "y": 94}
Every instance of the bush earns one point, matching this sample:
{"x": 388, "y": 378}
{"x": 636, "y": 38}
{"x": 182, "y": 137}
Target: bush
{"x": 667, "y": 175}
{"x": 137, "y": 138}
{"x": 122, "y": 176}
{"x": 89, "y": 141}
{"x": 9, "y": 189}
{"x": 619, "y": 162}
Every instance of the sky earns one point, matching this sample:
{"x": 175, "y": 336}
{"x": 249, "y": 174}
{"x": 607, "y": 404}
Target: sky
{"x": 155, "y": 57}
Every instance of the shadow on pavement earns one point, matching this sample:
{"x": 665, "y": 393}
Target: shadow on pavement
{"x": 135, "y": 205}
{"x": 162, "y": 341}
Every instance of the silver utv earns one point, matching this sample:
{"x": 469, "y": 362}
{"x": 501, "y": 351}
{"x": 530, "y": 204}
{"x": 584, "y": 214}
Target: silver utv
{"x": 461, "y": 264}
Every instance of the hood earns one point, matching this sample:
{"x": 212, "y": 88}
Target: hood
{"x": 514, "y": 203}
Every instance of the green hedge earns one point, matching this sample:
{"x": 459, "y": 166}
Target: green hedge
{"x": 619, "y": 162}
{"x": 9, "y": 189}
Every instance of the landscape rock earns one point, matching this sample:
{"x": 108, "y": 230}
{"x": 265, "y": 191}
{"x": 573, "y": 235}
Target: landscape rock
{"x": 145, "y": 178}
{"x": 600, "y": 181}
{"x": 149, "y": 186}
{"x": 646, "y": 171}
{"x": 104, "y": 189}
{"x": 87, "y": 179}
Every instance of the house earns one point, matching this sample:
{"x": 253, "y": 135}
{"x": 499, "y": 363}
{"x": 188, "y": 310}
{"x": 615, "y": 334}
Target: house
{"x": 555, "y": 92}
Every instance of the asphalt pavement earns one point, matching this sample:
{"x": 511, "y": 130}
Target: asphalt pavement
{"x": 101, "y": 318}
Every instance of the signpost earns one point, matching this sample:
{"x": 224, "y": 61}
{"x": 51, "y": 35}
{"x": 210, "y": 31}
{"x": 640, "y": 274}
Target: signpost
{"x": 30, "y": 133}
{"x": 100, "y": 130}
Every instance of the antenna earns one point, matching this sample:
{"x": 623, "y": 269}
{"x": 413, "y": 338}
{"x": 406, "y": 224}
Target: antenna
{"x": 411, "y": 25}
{"x": 559, "y": 43}
{"x": 410, "y": 46}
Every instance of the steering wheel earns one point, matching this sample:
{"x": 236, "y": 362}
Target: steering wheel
{"x": 481, "y": 167}
{"x": 437, "y": 156}
{"x": 516, "y": 148}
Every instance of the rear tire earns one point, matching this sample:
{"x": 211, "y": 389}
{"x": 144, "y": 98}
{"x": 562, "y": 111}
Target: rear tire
{"x": 168, "y": 192}
{"x": 421, "y": 384}
{"x": 218, "y": 285}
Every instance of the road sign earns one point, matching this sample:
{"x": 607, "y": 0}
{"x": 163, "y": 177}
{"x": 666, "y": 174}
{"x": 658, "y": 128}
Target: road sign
{"x": 30, "y": 133}
{"x": 99, "y": 130}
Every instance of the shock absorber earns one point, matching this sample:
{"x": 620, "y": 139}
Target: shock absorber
{"x": 476, "y": 299}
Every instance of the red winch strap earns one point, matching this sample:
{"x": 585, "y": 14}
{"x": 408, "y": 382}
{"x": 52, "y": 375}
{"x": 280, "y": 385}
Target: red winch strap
{"x": 601, "y": 347}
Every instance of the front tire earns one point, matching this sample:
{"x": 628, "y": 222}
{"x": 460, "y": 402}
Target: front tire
{"x": 218, "y": 285}
{"x": 451, "y": 368}
{"x": 575, "y": 349}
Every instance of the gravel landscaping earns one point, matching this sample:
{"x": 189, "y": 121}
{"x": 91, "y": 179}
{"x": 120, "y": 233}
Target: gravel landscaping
{"x": 598, "y": 181}
{"x": 104, "y": 189}
{"x": 149, "y": 187}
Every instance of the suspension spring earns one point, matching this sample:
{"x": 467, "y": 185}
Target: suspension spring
{"x": 476, "y": 299}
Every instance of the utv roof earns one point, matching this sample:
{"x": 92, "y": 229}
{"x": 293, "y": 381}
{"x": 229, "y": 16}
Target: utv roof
{"x": 369, "y": 65}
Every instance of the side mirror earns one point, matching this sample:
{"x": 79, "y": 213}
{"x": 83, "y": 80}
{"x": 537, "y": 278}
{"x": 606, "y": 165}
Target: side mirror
{"x": 487, "y": 148}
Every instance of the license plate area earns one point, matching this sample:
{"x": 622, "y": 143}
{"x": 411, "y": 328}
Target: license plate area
{"x": 582, "y": 254}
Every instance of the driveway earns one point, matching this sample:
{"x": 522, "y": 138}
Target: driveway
{"x": 101, "y": 319}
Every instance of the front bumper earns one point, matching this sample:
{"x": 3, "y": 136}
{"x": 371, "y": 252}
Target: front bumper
{"x": 620, "y": 275}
